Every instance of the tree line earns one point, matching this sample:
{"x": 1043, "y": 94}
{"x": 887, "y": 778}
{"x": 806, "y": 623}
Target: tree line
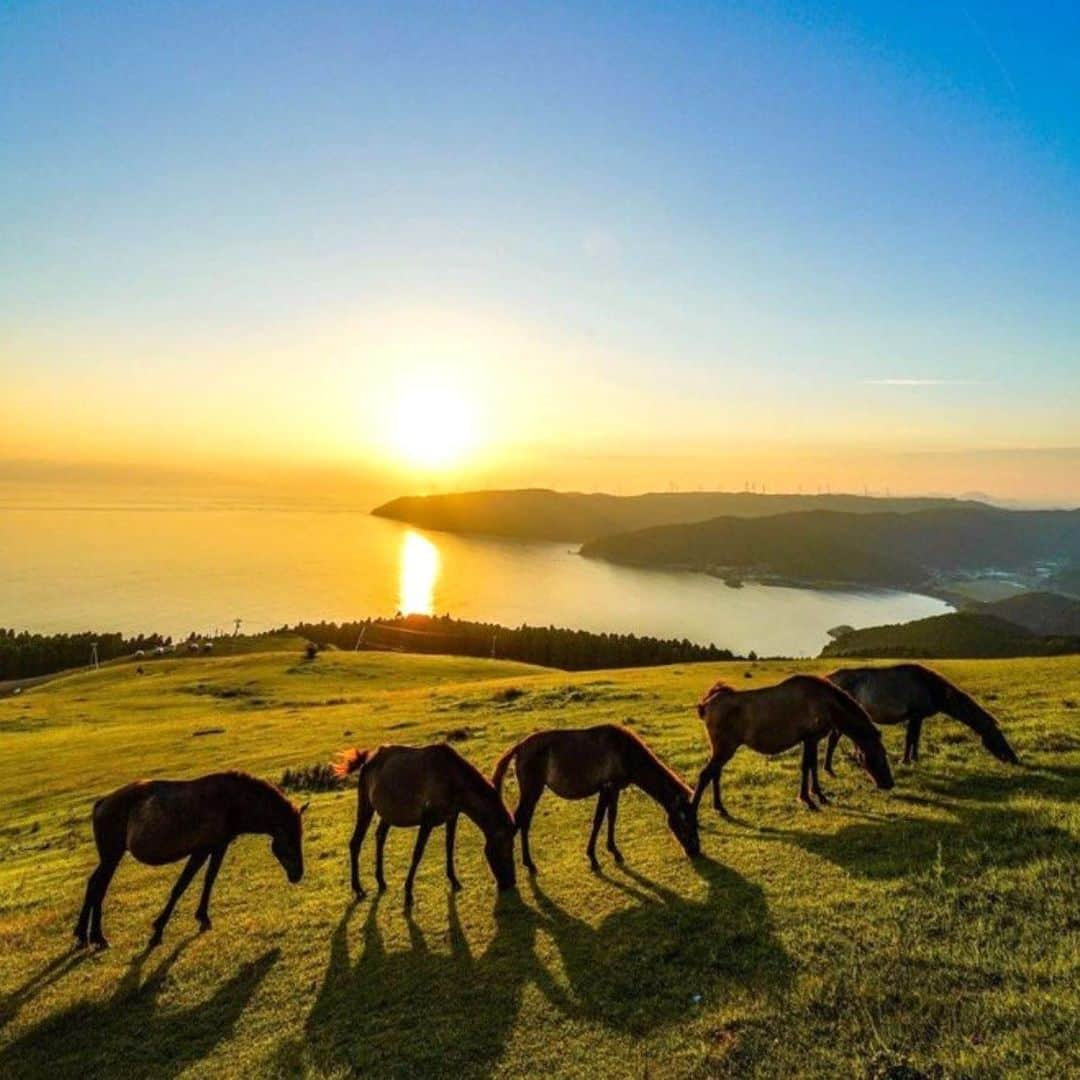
{"x": 549, "y": 646}
{"x": 24, "y": 655}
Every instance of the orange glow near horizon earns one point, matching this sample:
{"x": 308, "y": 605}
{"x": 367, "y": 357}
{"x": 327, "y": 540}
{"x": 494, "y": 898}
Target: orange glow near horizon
{"x": 420, "y": 565}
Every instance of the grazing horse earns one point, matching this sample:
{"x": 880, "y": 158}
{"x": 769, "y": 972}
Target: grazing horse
{"x": 601, "y": 760}
{"x": 422, "y": 787}
{"x": 161, "y": 821}
{"x": 911, "y": 693}
{"x": 802, "y": 709}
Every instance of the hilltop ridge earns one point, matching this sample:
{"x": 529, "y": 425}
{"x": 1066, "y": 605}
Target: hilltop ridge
{"x": 544, "y": 514}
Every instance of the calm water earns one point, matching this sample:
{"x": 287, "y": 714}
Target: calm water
{"x": 175, "y": 571}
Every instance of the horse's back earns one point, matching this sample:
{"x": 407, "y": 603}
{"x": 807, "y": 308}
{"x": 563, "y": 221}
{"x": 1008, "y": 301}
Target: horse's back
{"x": 772, "y": 719}
{"x": 406, "y": 784}
{"x": 578, "y": 762}
{"x": 169, "y": 819}
{"x": 892, "y": 694}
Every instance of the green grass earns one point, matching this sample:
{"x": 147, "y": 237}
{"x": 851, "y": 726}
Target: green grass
{"x": 933, "y": 928}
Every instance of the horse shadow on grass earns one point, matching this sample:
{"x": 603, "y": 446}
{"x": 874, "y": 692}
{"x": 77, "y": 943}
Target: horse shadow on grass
{"x": 38, "y": 983}
{"x": 898, "y": 847}
{"x": 418, "y": 1011}
{"x": 656, "y": 962}
{"x": 128, "y": 1034}
{"x": 1054, "y": 783}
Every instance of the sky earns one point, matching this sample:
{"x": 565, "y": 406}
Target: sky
{"x": 603, "y": 247}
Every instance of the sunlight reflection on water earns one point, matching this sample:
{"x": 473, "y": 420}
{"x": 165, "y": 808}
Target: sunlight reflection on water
{"x": 420, "y": 565}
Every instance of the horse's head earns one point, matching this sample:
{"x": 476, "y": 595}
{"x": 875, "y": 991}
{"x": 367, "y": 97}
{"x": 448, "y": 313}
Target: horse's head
{"x": 999, "y": 746}
{"x": 499, "y": 852}
{"x": 682, "y": 821}
{"x": 287, "y": 842}
{"x": 870, "y": 754}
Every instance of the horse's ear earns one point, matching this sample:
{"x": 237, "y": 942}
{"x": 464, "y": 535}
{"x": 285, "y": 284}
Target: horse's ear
{"x": 305, "y": 806}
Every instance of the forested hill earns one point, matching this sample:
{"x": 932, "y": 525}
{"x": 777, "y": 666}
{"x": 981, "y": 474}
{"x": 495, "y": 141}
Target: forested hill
{"x": 539, "y": 514}
{"x": 887, "y": 549}
{"x": 958, "y": 635}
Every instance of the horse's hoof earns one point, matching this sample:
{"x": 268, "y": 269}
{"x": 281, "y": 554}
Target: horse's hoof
{"x": 382, "y": 886}
{"x": 99, "y": 942}
{"x": 617, "y": 856}
{"x": 456, "y": 885}
{"x": 809, "y": 804}
{"x": 358, "y": 893}
{"x": 829, "y": 771}
{"x": 822, "y": 799}
{"x": 204, "y": 925}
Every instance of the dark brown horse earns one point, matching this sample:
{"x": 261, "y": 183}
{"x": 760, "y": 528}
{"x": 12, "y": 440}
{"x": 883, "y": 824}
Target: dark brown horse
{"x": 422, "y": 787}
{"x": 161, "y": 821}
{"x": 909, "y": 694}
{"x": 602, "y": 760}
{"x": 802, "y": 709}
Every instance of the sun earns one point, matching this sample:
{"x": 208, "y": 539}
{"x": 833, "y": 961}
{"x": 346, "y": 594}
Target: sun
{"x": 433, "y": 426}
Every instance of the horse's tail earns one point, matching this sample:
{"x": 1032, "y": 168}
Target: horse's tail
{"x": 717, "y": 688}
{"x": 502, "y": 765}
{"x": 350, "y": 761}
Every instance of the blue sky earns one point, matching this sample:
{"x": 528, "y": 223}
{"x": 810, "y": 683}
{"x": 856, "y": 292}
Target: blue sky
{"x": 629, "y": 225}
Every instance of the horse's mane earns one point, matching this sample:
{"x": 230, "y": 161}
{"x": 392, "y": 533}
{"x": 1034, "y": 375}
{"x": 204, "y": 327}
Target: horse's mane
{"x": 719, "y": 687}
{"x": 261, "y": 789}
{"x": 857, "y": 723}
{"x": 477, "y": 780}
{"x": 643, "y": 747}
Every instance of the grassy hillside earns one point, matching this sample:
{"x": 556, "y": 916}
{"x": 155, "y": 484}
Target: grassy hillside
{"x": 958, "y": 635}
{"x": 931, "y": 928}
{"x": 903, "y": 550}
{"x": 539, "y": 514}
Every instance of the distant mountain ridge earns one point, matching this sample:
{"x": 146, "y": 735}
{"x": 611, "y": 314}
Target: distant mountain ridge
{"x": 888, "y": 549}
{"x": 542, "y": 514}
{"x": 1044, "y": 613}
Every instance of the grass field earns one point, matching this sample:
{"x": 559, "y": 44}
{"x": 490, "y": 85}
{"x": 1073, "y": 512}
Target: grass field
{"x": 932, "y": 929}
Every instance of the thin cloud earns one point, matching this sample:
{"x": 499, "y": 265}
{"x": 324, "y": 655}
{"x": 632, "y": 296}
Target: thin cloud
{"x": 920, "y": 382}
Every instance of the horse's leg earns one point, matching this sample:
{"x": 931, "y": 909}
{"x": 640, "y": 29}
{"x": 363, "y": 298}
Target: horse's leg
{"x": 807, "y": 759}
{"x": 597, "y": 821}
{"x": 191, "y": 868}
{"x": 612, "y": 810}
{"x": 104, "y": 873}
{"x": 418, "y": 851}
{"x": 364, "y": 814}
{"x": 451, "y": 831}
{"x": 704, "y": 777}
{"x": 202, "y": 912}
{"x": 830, "y": 749}
{"x": 88, "y": 903}
{"x": 380, "y": 842}
{"x": 95, "y": 886}
{"x": 711, "y": 773}
{"x": 911, "y": 740}
{"x": 529, "y": 795}
{"x": 815, "y": 784}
